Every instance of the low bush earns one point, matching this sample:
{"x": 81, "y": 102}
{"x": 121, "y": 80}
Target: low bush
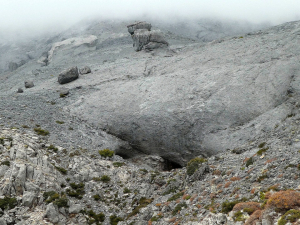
{"x": 194, "y": 165}
{"x": 105, "y": 178}
{"x": 8, "y": 203}
{"x": 41, "y": 132}
{"x": 106, "y": 153}
{"x": 284, "y": 200}
{"x": 178, "y": 208}
{"x": 114, "y": 220}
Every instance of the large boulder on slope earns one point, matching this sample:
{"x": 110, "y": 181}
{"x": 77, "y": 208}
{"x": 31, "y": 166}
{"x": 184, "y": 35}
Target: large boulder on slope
{"x": 68, "y": 75}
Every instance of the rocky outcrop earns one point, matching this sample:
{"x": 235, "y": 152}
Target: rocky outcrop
{"x": 144, "y": 38}
{"x": 68, "y": 75}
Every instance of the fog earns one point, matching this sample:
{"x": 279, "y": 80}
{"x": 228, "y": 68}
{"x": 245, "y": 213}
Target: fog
{"x": 36, "y": 16}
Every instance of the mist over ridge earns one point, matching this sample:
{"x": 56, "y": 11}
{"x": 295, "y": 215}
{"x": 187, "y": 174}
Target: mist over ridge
{"x": 23, "y": 19}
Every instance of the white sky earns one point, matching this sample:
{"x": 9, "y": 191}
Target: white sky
{"x": 46, "y": 14}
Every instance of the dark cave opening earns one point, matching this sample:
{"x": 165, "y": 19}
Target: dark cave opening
{"x": 169, "y": 165}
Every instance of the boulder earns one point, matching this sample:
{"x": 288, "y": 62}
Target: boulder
{"x": 29, "y": 84}
{"x": 85, "y": 70}
{"x": 139, "y": 25}
{"x": 20, "y": 90}
{"x": 29, "y": 199}
{"x": 52, "y": 213}
{"x": 68, "y": 75}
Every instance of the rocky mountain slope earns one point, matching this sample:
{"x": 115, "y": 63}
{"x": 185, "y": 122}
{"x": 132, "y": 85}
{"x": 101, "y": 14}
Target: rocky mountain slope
{"x": 228, "y": 107}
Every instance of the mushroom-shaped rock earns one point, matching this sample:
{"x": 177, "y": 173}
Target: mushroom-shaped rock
{"x": 139, "y": 25}
{"x": 68, "y": 75}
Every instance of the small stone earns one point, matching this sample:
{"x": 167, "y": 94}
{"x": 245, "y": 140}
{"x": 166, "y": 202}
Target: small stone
{"x": 68, "y": 75}
{"x": 20, "y": 90}
{"x": 85, "y": 70}
{"x": 29, "y": 84}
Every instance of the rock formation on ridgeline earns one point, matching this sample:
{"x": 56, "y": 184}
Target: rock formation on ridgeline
{"x": 144, "y": 38}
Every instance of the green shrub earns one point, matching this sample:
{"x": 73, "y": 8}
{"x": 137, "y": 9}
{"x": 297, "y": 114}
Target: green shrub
{"x": 261, "y": 145}
{"x": 61, "y": 170}
{"x": 176, "y": 196}
{"x": 106, "y": 153}
{"x": 95, "y": 218}
{"x": 238, "y": 216}
{"x": 61, "y": 202}
{"x": 52, "y": 147}
{"x": 126, "y": 190}
{"x": 105, "y": 178}
{"x": 2, "y": 141}
{"x": 8, "y": 203}
{"x": 78, "y": 190}
{"x": 178, "y": 207}
{"x": 59, "y": 122}
{"x": 249, "y": 162}
{"x": 118, "y": 164}
{"x": 290, "y": 216}
{"x": 6, "y": 163}
{"x": 114, "y": 220}
{"x": 40, "y": 131}
{"x": 194, "y": 164}
{"x": 97, "y": 179}
{"x": 261, "y": 151}
{"x": 97, "y": 197}
{"x": 228, "y": 206}
{"x": 143, "y": 202}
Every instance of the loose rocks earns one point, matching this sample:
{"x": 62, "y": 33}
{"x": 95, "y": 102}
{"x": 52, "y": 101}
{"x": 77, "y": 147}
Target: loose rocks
{"x": 29, "y": 84}
{"x": 85, "y": 70}
{"x": 68, "y": 75}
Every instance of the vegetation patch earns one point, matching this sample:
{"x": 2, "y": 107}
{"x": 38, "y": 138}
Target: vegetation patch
{"x": 261, "y": 151}
{"x": 94, "y": 218}
{"x": 143, "y": 202}
{"x": 61, "y": 170}
{"x": 8, "y": 203}
{"x": 6, "y": 163}
{"x": 2, "y": 141}
{"x": 105, "y": 178}
{"x": 118, "y": 164}
{"x": 284, "y": 200}
{"x": 114, "y": 219}
{"x": 106, "y": 153}
{"x": 176, "y": 196}
{"x": 239, "y": 216}
{"x": 59, "y": 122}
{"x": 41, "y": 132}
{"x": 97, "y": 197}
{"x": 78, "y": 190}
{"x": 126, "y": 190}
{"x": 261, "y": 178}
{"x": 178, "y": 208}
{"x": 194, "y": 165}
{"x": 249, "y": 162}
{"x": 53, "y": 148}
{"x": 290, "y": 216}
{"x": 228, "y": 206}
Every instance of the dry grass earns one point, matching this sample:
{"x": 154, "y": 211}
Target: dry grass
{"x": 242, "y": 205}
{"x": 270, "y": 160}
{"x": 255, "y": 217}
{"x": 227, "y": 184}
{"x": 216, "y": 172}
{"x": 284, "y": 200}
{"x": 193, "y": 197}
{"x": 253, "y": 191}
{"x": 235, "y": 178}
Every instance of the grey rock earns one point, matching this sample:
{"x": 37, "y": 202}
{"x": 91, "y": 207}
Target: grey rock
{"x": 20, "y": 90}
{"x": 13, "y": 66}
{"x": 139, "y": 25}
{"x": 75, "y": 208}
{"x": 52, "y": 213}
{"x": 68, "y": 75}
{"x": 29, "y": 199}
{"x": 2, "y": 221}
{"x": 63, "y": 92}
{"x": 149, "y": 40}
{"x": 200, "y": 173}
{"x": 29, "y": 84}
{"x": 85, "y": 70}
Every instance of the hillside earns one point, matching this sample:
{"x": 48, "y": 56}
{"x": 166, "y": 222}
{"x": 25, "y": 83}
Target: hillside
{"x": 195, "y": 129}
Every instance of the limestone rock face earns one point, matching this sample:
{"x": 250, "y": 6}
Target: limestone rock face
{"x": 68, "y": 75}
